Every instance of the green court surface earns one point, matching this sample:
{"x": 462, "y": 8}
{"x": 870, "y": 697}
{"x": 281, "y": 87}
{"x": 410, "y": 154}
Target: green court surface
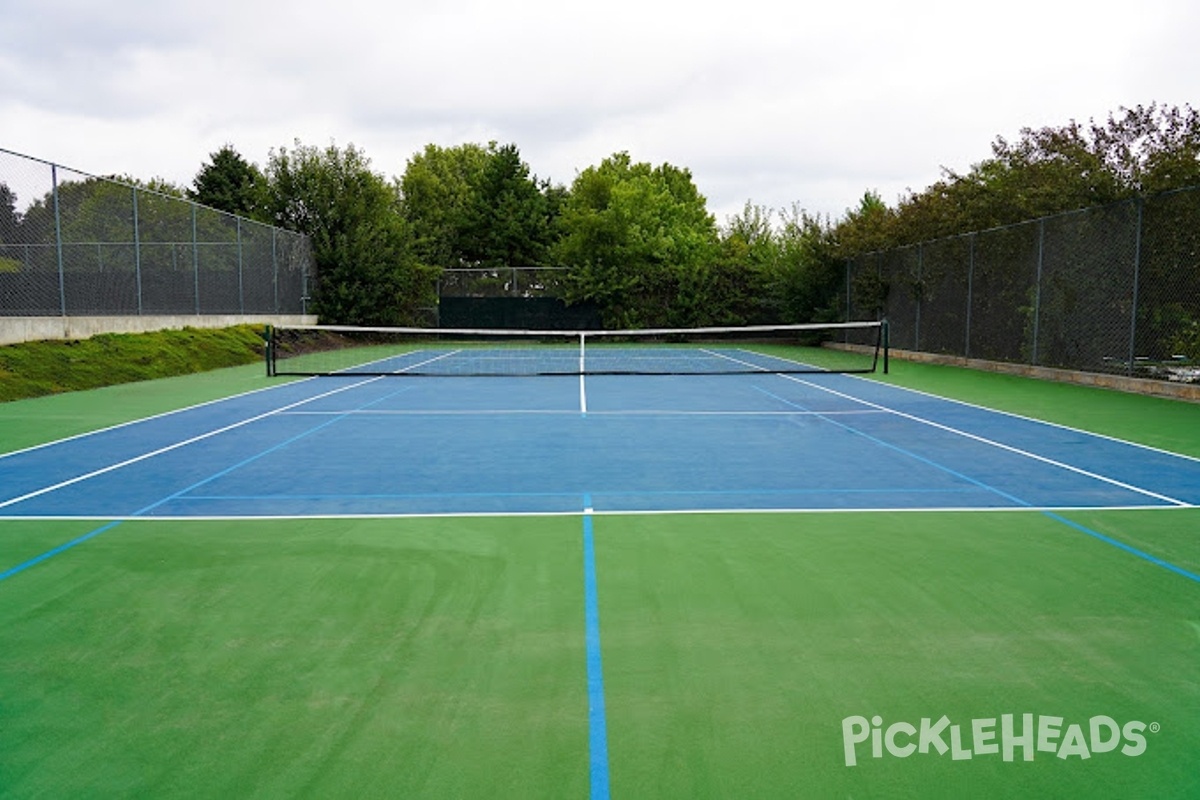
{"x": 321, "y": 659}
{"x": 822, "y": 655}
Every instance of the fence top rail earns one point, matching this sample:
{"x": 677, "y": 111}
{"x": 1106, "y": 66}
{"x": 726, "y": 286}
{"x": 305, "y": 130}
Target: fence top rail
{"x": 144, "y": 190}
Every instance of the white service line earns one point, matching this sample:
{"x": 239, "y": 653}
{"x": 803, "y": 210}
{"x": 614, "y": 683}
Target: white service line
{"x": 632, "y": 512}
{"x": 160, "y": 415}
{"x": 634, "y": 412}
{"x": 177, "y": 445}
{"x": 426, "y": 361}
{"x": 757, "y": 367}
{"x": 991, "y": 442}
{"x": 1058, "y": 425}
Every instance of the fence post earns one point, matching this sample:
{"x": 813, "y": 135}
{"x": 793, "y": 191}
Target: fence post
{"x": 195, "y": 261}
{"x": 1137, "y": 269}
{"x": 58, "y": 243}
{"x": 304, "y": 277}
{"x": 241, "y": 292}
{"x": 970, "y": 293}
{"x": 275, "y": 269}
{"x": 1037, "y": 297}
{"x": 137, "y": 252}
{"x": 920, "y": 287}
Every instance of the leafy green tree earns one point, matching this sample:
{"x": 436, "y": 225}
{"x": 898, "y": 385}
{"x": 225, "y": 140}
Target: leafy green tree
{"x": 1152, "y": 148}
{"x": 474, "y": 206}
{"x": 1142, "y": 150}
{"x": 367, "y": 272}
{"x": 864, "y": 229}
{"x": 228, "y": 182}
{"x": 90, "y": 210}
{"x": 10, "y": 218}
{"x": 639, "y": 241}
{"x": 101, "y": 220}
{"x": 749, "y": 267}
{"x": 809, "y": 278}
{"x": 438, "y": 191}
{"x": 510, "y": 219}
{"x": 749, "y": 237}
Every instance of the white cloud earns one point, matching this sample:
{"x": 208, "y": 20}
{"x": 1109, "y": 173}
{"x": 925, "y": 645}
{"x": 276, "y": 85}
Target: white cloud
{"x": 769, "y": 101}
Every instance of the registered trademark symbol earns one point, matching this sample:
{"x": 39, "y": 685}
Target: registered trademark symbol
{"x": 1155, "y": 727}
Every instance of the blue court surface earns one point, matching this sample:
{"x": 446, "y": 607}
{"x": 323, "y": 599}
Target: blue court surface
{"x": 395, "y": 446}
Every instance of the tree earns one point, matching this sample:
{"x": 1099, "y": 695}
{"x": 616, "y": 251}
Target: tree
{"x": 1153, "y": 148}
{"x": 810, "y": 276}
{"x": 509, "y": 220}
{"x": 89, "y": 210}
{"x": 866, "y": 228}
{"x": 10, "y": 218}
{"x": 437, "y": 194}
{"x": 475, "y": 206}
{"x": 749, "y": 237}
{"x": 1045, "y": 171}
{"x": 230, "y": 183}
{"x": 640, "y": 242}
{"x": 747, "y": 272}
{"x": 367, "y": 272}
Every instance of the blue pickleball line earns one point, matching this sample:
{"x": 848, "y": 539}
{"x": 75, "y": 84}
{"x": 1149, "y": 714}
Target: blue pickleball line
{"x": 1050, "y": 514}
{"x": 8, "y": 573}
{"x": 1133, "y": 551}
{"x": 109, "y": 526}
{"x": 597, "y": 724}
{"x": 901, "y": 450}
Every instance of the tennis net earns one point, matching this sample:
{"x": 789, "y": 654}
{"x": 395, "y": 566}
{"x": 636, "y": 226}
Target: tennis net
{"x": 850, "y": 347}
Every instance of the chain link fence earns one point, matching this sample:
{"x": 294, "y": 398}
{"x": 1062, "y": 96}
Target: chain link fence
{"x": 1114, "y": 289}
{"x": 72, "y": 244}
{"x": 501, "y": 282}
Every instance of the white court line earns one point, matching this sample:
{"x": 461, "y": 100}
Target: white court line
{"x": 283, "y": 381}
{"x": 119, "y": 425}
{"x": 753, "y": 366}
{"x": 599, "y": 513}
{"x": 991, "y": 442}
{"x": 981, "y": 439}
{"x": 489, "y": 412}
{"x": 177, "y": 445}
{"x": 423, "y": 363}
{"x": 1014, "y": 415}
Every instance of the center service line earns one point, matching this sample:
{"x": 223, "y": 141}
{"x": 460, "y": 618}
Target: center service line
{"x": 597, "y": 726}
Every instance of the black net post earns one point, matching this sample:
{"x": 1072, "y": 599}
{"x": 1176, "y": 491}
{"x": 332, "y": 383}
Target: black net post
{"x": 269, "y": 349}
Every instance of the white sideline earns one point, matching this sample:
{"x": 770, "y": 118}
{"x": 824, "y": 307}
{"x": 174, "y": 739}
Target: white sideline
{"x": 176, "y": 445}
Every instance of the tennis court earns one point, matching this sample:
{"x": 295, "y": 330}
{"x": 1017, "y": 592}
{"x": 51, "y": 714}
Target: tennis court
{"x": 684, "y": 585}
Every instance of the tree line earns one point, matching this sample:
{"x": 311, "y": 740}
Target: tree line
{"x": 637, "y": 240}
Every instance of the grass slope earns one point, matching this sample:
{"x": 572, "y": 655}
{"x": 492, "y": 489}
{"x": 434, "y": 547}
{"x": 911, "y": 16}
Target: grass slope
{"x": 34, "y": 369}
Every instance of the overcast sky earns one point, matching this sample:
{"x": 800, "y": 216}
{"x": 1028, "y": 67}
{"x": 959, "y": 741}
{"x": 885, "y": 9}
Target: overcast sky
{"x": 777, "y": 102}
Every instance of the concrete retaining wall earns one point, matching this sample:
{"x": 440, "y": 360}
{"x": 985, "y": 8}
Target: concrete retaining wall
{"x": 14, "y": 330}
